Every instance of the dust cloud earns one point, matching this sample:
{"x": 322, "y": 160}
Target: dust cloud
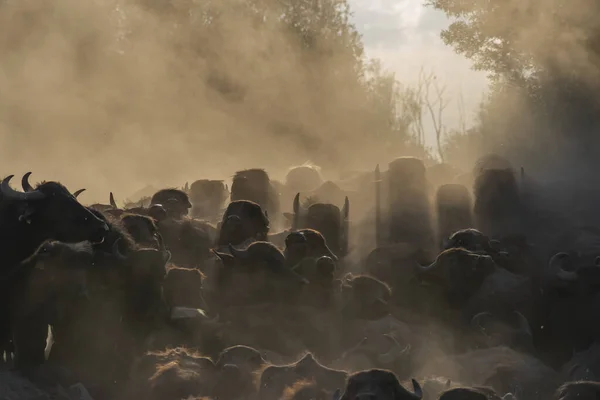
{"x": 115, "y": 95}
{"x": 543, "y": 112}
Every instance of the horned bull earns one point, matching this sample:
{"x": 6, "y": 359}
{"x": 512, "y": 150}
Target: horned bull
{"x": 333, "y": 223}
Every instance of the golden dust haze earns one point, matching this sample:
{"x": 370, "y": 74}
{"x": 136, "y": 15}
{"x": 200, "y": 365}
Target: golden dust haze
{"x": 114, "y": 95}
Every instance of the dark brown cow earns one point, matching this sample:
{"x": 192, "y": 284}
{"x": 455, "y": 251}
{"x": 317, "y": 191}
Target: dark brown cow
{"x": 28, "y": 219}
{"x": 183, "y": 288}
{"x": 207, "y": 198}
{"x": 409, "y": 209}
{"x": 365, "y": 297}
{"x": 143, "y": 229}
{"x": 473, "y": 283}
{"x": 47, "y": 212}
{"x": 497, "y": 206}
{"x": 241, "y": 221}
{"x": 470, "y": 394}
{"x": 578, "y": 391}
{"x": 176, "y": 202}
{"x": 188, "y": 240}
{"x": 328, "y": 219}
{"x": 177, "y": 373}
{"x": 254, "y": 185}
{"x": 275, "y": 379}
{"x": 255, "y": 274}
{"x": 378, "y": 384}
{"x": 55, "y": 274}
{"x": 306, "y": 243}
{"x": 453, "y": 203}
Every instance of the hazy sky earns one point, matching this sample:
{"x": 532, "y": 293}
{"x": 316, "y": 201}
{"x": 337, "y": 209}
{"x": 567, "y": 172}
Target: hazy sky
{"x": 405, "y": 35}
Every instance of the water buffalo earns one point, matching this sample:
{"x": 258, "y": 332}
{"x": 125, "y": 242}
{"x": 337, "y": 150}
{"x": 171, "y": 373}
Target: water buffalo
{"x": 498, "y": 206}
{"x": 275, "y": 379}
{"x": 176, "y": 202}
{"x": 409, "y": 208}
{"x": 469, "y": 393}
{"x": 239, "y": 366}
{"x": 51, "y": 276}
{"x": 578, "y": 391}
{"x": 305, "y": 390}
{"x": 453, "y": 203}
{"x": 241, "y": 221}
{"x": 365, "y": 297}
{"x": 188, "y": 240}
{"x": 501, "y": 368}
{"x": 207, "y": 198}
{"x": 378, "y": 384}
{"x": 328, "y": 219}
{"x": 183, "y": 288}
{"x": 254, "y": 185}
{"x": 306, "y": 243}
{"x": 466, "y": 276}
{"x": 48, "y": 212}
{"x": 255, "y": 274}
{"x": 142, "y": 229}
{"x": 172, "y": 374}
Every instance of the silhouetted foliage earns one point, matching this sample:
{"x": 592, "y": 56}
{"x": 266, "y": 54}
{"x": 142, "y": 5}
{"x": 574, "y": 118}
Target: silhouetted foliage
{"x": 544, "y": 61}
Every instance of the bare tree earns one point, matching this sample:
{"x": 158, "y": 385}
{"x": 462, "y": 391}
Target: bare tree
{"x": 435, "y": 105}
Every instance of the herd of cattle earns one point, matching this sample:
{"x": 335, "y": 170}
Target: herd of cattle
{"x": 438, "y": 285}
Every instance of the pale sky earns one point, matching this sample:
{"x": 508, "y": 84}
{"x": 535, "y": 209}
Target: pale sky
{"x": 405, "y": 36}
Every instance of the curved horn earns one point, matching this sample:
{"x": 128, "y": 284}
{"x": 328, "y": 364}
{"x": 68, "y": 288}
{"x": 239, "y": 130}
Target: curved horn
{"x": 10, "y": 193}
{"x": 238, "y": 253}
{"x": 296, "y": 208}
{"x": 476, "y": 321}
{"x": 296, "y": 205}
{"x": 426, "y": 268}
{"x": 116, "y": 251}
{"x": 161, "y": 242}
{"x": 393, "y": 353}
{"x": 25, "y": 183}
{"x": 77, "y": 193}
{"x": 524, "y": 324}
{"x": 555, "y": 264}
{"x": 112, "y": 200}
{"x": 417, "y": 389}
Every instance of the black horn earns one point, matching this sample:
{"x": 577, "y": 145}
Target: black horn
{"x": 10, "y": 193}
{"x": 296, "y": 207}
{"x": 417, "y": 389}
{"x": 555, "y": 265}
{"x": 25, "y": 183}
{"x": 113, "y": 203}
{"x": 77, "y": 193}
{"x": 117, "y": 252}
{"x": 238, "y": 253}
{"x": 477, "y": 319}
{"x": 524, "y": 324}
